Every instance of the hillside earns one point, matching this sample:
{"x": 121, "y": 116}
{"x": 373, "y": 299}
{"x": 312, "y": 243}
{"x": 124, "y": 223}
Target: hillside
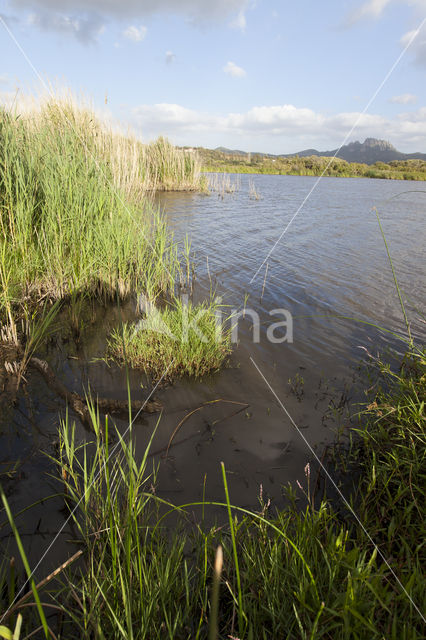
{"x": 368, "y": 152}
{"x": 309, "y": 163}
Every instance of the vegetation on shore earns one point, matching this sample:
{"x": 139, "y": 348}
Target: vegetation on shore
{"x": 217, "y": 161}
{"x": 73, "y": 211}
{"x": 76, "y": 218}
{"x": 304, "y": 572}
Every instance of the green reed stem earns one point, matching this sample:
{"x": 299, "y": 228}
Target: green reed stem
{"x": 26, "y": 564}
{"x": 401, "y": 302}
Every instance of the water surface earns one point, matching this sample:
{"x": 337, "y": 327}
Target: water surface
{"x": 331, "y": 262}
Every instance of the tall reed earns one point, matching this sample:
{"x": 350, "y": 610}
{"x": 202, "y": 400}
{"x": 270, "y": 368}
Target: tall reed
{"x": 72, "y": 213}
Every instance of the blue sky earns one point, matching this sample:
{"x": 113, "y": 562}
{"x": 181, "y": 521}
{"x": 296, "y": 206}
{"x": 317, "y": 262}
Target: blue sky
{"x": 273, "y": 76}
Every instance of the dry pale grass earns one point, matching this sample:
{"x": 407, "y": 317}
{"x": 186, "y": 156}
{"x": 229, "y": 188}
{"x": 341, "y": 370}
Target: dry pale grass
{"x": 136, "y": 167}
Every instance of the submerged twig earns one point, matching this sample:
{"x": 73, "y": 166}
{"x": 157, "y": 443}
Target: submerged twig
{"x": 188, "y": 415}
{"x": 79, "y": 404}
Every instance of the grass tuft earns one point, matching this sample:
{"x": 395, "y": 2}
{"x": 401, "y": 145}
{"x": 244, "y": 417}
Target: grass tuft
{"x": 186, "y": 339}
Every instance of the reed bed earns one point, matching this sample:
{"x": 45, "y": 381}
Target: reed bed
{"x": 135, "y": 167}
{"x": 222, "y": 184}
{"x": 74, "y": 213}
{"x": 253, "y": 193}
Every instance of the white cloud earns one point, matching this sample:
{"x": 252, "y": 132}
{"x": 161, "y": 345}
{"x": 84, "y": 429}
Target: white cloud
{"x": 279, "y": 128}
{"x": 405, "y": 98}
{"x": 414, "y": 40}
{"x": 375, "y": 8}
{"x": 160, "y": 118}
{"x": 416, "y": 117}
{"x": 409, "y": 37}
{"x": 239, "y": 22}
{"x": 85, "y": 28}
{"x": 85, "y": 18}
{"x": 170, "y": 57}
{"x": 195, "y": 10}
{"x": 135, "y": 34}
{"x": 234, "y": 70}
{"x": 276, "y": 119}
{"x": 371, "y": 9}
{"x": 271, "y": 128}
{"x": 417, "y": 42}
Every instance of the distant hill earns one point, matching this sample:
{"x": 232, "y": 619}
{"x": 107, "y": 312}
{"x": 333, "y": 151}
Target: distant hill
{"x": 232, "y": 152}
{"x": 368, "y": 152}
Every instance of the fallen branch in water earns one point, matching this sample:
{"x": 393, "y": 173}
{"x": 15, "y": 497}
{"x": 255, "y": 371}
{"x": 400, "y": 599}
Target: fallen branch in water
{"x": 243, "y": 405}
{"x": 79, "y": 404}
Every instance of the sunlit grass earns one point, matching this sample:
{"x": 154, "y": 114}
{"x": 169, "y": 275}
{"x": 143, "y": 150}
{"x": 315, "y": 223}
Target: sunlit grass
{"x": 181, "y": 339}
{"x": 74, "y": 217}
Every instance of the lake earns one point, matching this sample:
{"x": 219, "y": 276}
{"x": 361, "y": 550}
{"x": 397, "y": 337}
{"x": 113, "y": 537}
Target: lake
{"x": 330, "y": 271}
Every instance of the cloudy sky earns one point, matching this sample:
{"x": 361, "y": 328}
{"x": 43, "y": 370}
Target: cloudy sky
{"x": 260, "y": 75}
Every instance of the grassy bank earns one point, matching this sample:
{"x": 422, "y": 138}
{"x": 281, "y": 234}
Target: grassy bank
{"x": 217, "y": 161}
{"x": 73, "y": 209}
{"x": 304, "y": 572}
{"x": 75, "y": 212}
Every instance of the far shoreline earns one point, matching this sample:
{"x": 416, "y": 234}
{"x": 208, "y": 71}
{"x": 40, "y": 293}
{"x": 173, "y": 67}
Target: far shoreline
{"x": 236, "y": 172}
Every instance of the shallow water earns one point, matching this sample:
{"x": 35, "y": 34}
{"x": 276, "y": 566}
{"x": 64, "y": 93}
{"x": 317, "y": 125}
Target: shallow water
{"x": 332, "y": 259}
{"x": 331, "y": 262}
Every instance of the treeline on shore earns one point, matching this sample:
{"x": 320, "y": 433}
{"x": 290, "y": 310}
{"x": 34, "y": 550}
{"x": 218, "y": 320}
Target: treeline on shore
{"x": 219, "y": 161}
